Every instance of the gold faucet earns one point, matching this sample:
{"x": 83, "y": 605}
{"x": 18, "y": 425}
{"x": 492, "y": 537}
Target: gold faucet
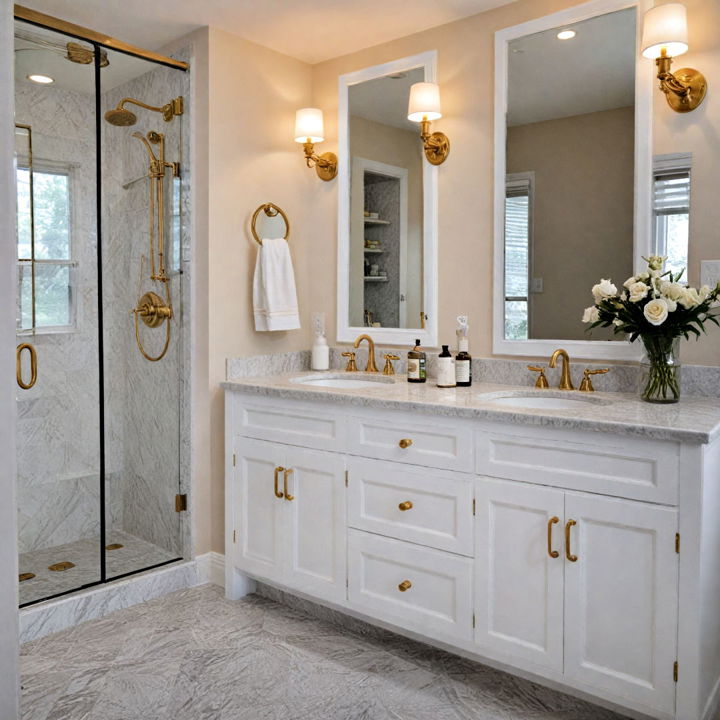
{"x": 565, "y": 379}
{"x": 371, "y": 366}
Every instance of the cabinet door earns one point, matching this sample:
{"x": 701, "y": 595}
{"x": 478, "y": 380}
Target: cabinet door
{"x": 519, "y": 586}
{"x": 314, "y": 535}
{"x": 621, "y": 599}
{"x": 258, "y": 511}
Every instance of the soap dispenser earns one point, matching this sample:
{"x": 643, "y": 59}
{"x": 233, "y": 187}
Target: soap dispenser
{"x": 320, "y": 350}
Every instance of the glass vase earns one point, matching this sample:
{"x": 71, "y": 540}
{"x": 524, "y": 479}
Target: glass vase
{"x": 660, "y": 370}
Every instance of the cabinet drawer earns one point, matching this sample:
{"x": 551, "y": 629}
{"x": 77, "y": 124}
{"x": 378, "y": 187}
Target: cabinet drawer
{"x": 438, "y": 444}
{"x": 290, "y": 423}
{"x": 601, "y": 463}
{"x": 429, "y": 507}
{"x": 437, "y": 599}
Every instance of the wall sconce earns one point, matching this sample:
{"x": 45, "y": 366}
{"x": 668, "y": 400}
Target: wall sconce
{"x": 309, "y": 129}
{"x": 424, "y": 106}
{"x": 665, "y": 37}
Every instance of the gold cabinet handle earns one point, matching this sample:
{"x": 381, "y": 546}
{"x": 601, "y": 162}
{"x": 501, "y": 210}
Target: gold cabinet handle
{"x": 287, "y": 472}
{"x": 405, "y": 443}
{"x": 568, "y": 554}
{"x": 552, "y": 521}
{"x": 404, "y": 585}
{"x": 407, "y": 505}
{"x": 33, "y": 366}
{"x": 278, "y": 470}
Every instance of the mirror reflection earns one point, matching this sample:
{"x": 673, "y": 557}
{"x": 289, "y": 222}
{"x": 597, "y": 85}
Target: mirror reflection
{"x": 570, "y": 164}
{"x": 386, "y": 204}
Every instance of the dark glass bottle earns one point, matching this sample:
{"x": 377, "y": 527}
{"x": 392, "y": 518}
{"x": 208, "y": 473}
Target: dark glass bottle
{"x": 417, "y": 364}
{"x": 463, "y": 364}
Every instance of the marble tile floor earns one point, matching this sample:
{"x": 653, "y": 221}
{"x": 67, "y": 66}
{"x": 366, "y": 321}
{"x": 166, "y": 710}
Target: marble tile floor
{"x": 193, "y": 655}
{"x": 135, "y": 554}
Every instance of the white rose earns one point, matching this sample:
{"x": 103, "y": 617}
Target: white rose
{"x": 638, "y": 291}
{"x": 630, "y": 281}
{"x": 591, "y": 315}
{"x": 656, "y": 311}
{"x": 672, "y": 290}
{"x": 617, "y": 322}
{"x": 704, "y": 292}
{"x": 672, "y": 305}
{"x": 690, "y": 298}
{"x": 603, "y": 290}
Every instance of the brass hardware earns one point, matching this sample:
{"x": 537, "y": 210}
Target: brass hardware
{"x": 371, "y": 366}
{"x": 565, "y": 378}
{"x": 677, "y": 543}
{"x": 271, "y": 210}
{"x": 405, "y": 443}
{"x": 234, "y": 536}
{"x": 351, "y": 364}
{"x": 569, "y": 524}
{"x": 552, "y": 521}
{"x": 122, "y": 117}
{"x": 675, "y": 671}
{"x": 423, "y": 318}
{"x": 287, "y": 472}
{"x": 684, "y": 89}
{"x": 152, "y": 310}
{"x": 541, "y": 382}
{"x": 407, "y": 505}
{"x": 18, "y": 365}
{"x": 404, "y": 585}
{"x": 25, "y": 576}
{"x": 586, "y": 383}
{"x": 278, "y": 470}
{"x": 389, "y": 369}
{"x": 61, "y": 566}
{"x": 473, "y": 619}
{"x": 84, "y": 55}
{"x": 180, "y": 502}
{"x": 38, "y": 18}
{"x": 436, "y": 145}
{"x": 114, "y": 546}
{"x": 326, "y": 165}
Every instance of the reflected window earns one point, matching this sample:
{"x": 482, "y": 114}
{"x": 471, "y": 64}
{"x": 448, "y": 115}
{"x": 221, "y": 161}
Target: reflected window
{"x": 671, "y": 211}
{"x": 518, "y": 209}
{"x": 44, "y": 249}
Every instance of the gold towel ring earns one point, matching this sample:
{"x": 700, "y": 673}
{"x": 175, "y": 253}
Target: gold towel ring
{"x": 271, "y": 210}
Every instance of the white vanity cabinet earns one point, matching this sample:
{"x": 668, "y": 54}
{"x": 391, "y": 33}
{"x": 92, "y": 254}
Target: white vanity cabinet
{"x": 548, "y": 552}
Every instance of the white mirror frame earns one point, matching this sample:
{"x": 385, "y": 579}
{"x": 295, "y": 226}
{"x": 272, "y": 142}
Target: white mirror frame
{"x": 642, "y": 238}
{"x": 382, "y": 335}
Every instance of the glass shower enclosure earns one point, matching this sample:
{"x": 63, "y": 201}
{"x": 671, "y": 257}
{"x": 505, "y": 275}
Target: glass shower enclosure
{"x": 101, "y": 299}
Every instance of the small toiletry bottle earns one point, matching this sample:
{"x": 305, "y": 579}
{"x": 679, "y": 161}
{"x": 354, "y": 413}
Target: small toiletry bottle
{"x": 463, "y": 361}
{"x": 320, "y": 351}
{"x": 416, "y": 364}
{"x": 445, "y": 368}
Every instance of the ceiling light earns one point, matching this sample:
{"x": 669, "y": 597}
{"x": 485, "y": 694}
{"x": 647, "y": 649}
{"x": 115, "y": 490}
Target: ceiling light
{"x": 41, "y": 79}
{"x": 566, "y": 34}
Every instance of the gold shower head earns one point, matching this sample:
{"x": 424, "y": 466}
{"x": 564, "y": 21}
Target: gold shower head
{"x": 120, "y": 117}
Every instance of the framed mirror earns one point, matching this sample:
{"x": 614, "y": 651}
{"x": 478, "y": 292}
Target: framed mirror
{"x": 387, "y": 208}
{"x": 573, "y": 173}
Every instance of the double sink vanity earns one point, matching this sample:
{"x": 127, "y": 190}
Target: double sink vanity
{"x": 567, "y": 537}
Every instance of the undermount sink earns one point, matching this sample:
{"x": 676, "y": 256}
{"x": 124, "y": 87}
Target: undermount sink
{"x": 538, "y": 402}
{"x": 343, "y": 381}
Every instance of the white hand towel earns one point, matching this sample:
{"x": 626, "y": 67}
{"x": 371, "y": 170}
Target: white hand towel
{"x": 274, "y": 295}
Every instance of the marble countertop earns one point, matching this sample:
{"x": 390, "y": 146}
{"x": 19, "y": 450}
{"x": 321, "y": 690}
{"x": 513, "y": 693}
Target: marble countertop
{"x": 693, "y": 420}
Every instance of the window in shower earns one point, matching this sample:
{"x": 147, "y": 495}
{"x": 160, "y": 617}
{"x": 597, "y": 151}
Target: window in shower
{"x": 46, "y": 270}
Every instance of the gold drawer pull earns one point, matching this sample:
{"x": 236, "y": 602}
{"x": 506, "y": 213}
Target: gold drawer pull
{"x": 407, "y": 505}
{"x": 405, "y": 443}
{"x": 288, "y": 496}
{"x": 552, "y": 521}
{"x": 278, "y": 470}
{"x": 404, "y": 585}
{"x": 568, "y": 554}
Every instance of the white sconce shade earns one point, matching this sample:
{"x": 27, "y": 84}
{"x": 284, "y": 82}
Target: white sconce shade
{"x": 424, "y": 102}
{"x": 309, "y": 125}
{"x": 665, "y": 28}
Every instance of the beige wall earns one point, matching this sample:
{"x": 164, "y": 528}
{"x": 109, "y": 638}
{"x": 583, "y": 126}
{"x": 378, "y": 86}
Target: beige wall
{"x": 582, "y": 216}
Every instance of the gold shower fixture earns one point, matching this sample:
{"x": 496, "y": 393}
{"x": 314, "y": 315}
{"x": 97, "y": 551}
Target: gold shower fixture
{"x": 122, "y": 117}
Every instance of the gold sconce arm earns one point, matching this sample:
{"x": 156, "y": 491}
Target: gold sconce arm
{"x": 325, "y": 165}
{"x": 436, "y": 145}
{"x": 685, "y": 89}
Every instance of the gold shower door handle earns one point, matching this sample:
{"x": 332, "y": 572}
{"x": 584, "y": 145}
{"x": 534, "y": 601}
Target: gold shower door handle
{"x": 278, "y": 470}
{"x": 288, "y": 496}
{"x": 33, "y": 365}
{"x": 552, "y": 521}
{"x": 568, "y": 554}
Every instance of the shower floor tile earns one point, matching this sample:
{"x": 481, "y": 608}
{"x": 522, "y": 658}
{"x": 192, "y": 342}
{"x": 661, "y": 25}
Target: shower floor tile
{"x": 135, "y": 554}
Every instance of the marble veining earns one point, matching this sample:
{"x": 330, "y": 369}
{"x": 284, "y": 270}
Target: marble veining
{"x": 693, "y": 420}
{"x": 193, "y": 654}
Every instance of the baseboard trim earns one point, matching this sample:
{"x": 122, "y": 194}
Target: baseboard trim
{"x": 211, "y": 568}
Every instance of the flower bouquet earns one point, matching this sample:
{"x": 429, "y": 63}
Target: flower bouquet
{"x": 657, "y": 308}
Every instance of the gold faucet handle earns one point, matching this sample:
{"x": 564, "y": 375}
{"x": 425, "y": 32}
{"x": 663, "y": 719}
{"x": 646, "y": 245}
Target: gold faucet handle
{"x": 541, "y": 382}
{"x": 586, "y": 384}
{"x": 351, "y": 365}
{"x": 389, "y": 369}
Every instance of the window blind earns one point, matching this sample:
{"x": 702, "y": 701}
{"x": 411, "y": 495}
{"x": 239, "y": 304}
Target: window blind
{"x": 671, "y": 193}
{"x": 517, "y": 237}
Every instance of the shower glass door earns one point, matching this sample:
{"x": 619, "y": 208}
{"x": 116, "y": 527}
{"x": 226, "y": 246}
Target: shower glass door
{"x": 58, "y": 324}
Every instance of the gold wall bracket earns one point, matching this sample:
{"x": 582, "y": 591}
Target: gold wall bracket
{"x": 325, "y": 165}
{"x": 436, "y": 145}
{"x": 684, "y": 89}
{"x": 180, "y": 503}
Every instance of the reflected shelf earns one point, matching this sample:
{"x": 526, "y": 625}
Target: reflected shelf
{"x": 376, "y": 221}
{"x": 373, "y": 278}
